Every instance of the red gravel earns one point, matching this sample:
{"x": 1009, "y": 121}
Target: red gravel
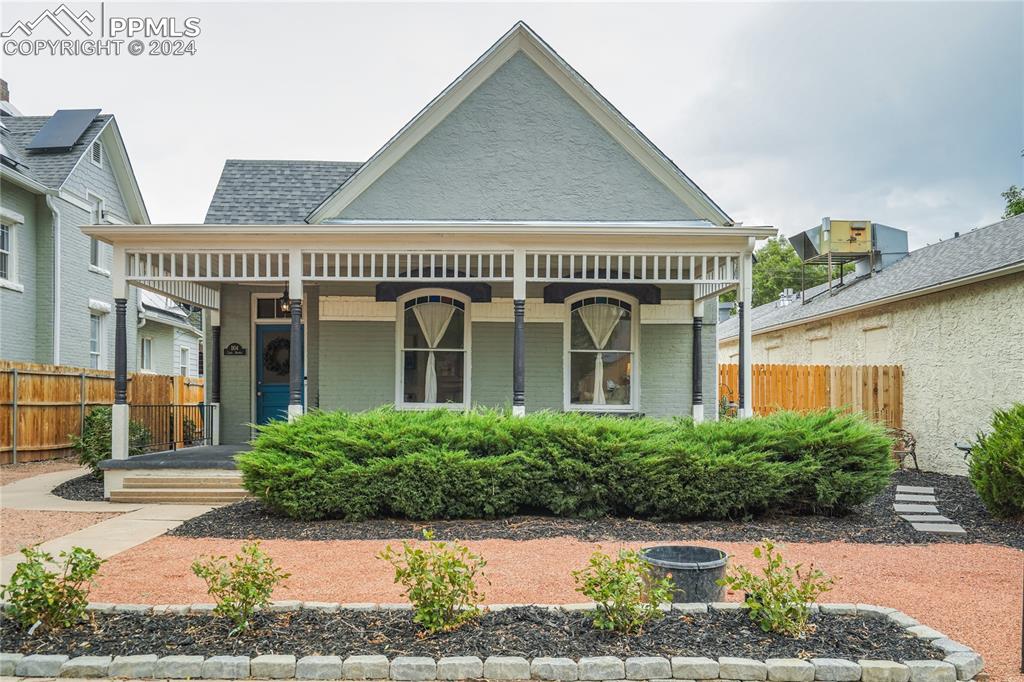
{"x": 21, "y": 528}
{"x": 9, "y": 473}
{"x": 970, "y": 592}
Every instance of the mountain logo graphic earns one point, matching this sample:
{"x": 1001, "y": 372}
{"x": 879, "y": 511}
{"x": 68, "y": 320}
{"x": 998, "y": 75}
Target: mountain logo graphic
{"x": 62, "y": 17}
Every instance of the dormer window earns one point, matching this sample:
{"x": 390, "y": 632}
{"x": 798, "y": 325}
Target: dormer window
{"x": 96, "y": 153}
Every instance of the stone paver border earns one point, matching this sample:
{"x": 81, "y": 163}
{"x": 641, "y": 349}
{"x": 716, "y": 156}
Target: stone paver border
{"x": 960, "y": 663}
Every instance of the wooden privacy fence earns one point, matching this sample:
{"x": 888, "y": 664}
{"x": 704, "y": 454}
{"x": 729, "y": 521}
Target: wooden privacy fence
{"x": 874, "y": 390}
{"x": 43, "y": 406}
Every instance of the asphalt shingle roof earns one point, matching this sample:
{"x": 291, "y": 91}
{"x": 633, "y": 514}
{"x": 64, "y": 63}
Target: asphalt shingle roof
{"x": 48, "y": 168}
{"x": 982, "y": 250}
{"x": 252, "y": 192}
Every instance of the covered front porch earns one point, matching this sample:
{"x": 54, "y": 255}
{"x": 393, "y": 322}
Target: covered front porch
{"x": 606, "y": 318}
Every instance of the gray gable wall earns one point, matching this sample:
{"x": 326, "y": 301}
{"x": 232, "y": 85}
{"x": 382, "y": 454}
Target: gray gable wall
{"x": 518, "y": 148}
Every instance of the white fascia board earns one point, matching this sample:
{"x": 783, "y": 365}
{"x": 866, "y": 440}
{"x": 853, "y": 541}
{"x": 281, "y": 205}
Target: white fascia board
{"x": 121, "y": 165}
{"x": 915, "y": 293}
{"x": 16, "y": 178}
{"x": 521, "y": 38}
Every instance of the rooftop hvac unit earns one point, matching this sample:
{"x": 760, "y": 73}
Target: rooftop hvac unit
{"x": 836, "y": 241}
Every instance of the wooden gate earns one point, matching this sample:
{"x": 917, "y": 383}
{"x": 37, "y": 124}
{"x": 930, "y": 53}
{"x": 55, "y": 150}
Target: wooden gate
{"x": 874, "y": 390}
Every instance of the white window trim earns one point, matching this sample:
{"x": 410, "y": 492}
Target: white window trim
{"x": 184, "y": 350}
{"x": 101, "y": 342}
{"x": 634, "y": 346}
{"x": 467, "y": 345}
{"x": 142, "y": 354}
{"x": 96, "y": 143}
{"x": 11, "y": 281}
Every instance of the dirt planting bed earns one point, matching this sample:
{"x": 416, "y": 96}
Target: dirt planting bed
{"x": 528, "y": 632}
{"x": 874, "y": 522}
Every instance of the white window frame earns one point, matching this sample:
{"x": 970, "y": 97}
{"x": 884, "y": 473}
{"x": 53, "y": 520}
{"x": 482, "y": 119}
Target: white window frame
{"x": 101, "y": 341}
{"x": 467, "y": 346}
{"x": 634, "y": 350}
{"x": 11, "y": 280}
{"x": 97, "y": 209}
{"x": 146, "y": 353}
{"x": 96, "y": 144}
{"x": 184, "y": 360}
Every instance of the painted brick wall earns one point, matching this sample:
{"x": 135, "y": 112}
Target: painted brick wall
{"x": 18, "y": 308}
{"x": 357, "y": 365}
{"x": 709, "y": 349}
{"x": 666, "y": 351}
{"x": 518, "y": 147}
{"x": 235, "y": 370}
{"x": 492, "y": 365}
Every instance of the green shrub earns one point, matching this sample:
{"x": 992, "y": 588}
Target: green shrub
{"x": 440, "y": 581}
{"x": 485, "y": 464}
{"x": 780, "y": 600}
{"x": 93, "y": 446}
{"x": 997, "y": 464}
{"x": 626, "y": 595}
{"x": 241, "y": 585}
{"x": 55, "y": 599}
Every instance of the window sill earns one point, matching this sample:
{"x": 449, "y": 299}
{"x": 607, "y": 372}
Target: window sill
{"x": 13, "y": 286}
{"x": 420, "y": 407}
{"x": 99, "y": 271}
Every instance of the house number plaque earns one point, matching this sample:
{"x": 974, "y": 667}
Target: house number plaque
{"x": 234, "y": 349}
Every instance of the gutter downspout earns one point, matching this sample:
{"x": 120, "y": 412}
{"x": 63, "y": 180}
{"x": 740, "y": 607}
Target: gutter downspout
{"x": 56, "y": 276}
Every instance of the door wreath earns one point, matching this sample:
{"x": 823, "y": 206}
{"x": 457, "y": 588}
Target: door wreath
{"x": 276, "y": 361}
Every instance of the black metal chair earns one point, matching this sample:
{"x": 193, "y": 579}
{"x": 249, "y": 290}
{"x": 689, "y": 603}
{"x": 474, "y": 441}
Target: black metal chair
{"x": 904, "y": 446}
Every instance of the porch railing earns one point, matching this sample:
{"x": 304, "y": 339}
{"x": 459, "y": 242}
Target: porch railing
{"x": 156, "y": 428}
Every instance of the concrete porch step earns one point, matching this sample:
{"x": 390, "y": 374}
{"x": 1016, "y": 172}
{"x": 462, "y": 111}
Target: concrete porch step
{"x": 178, "y": 495}
{"x": 224, "y": 482}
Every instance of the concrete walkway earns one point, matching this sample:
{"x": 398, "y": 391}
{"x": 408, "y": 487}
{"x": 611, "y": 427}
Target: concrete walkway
{"x": 137, "y": 523}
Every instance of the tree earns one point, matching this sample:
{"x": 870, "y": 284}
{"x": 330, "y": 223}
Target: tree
{"x": 778, "y": 268}
{"x": 1014, "y": 201}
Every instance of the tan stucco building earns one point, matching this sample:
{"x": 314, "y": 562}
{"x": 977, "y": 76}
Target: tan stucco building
{"x": 952, "y": 314}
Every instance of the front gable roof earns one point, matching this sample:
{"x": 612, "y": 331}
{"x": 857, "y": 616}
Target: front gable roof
{"x": 648, "y": 160}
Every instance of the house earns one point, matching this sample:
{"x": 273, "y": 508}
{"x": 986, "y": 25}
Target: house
{"x": 950, "y": 313}
{"x": 58, "y": 173}
{"x": 169, "y": 342}
{"x": 518, "y": 244}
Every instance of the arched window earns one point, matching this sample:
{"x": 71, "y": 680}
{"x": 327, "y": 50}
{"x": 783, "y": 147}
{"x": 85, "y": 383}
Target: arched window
{"x": 601, "y": 363}
{"x": 432, "y": 350}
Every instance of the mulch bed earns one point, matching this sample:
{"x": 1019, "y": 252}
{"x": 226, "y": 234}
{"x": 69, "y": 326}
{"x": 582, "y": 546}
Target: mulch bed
{"x": 87, "y": 488}
{"x": 527, "y": 632}
{"x": 873, "y": 522}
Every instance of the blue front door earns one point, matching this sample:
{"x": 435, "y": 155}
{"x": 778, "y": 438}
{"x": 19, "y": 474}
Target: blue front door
{"x": 273, "y": 368}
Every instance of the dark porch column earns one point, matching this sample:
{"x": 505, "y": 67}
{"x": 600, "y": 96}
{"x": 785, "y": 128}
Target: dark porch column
{"x": 120, "y": 351}
{"x": 295, "y": 360}
{"x": 741, "y": 400}
{"x": 214, "y": 368}
{"x": 697, "y": 400}
{"x": 519, "y": 358}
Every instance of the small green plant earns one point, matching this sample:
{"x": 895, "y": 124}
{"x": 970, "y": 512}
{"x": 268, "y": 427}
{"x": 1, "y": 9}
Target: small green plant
{"x": 779, "y": 601}
{"x": 997, "y": 464}
{"x": 439, "y": 580}
{"x": 93, "y": 446}
{"x": 53, "y": 599}
{"x": 242, "y": 585}
{"x": 626, "y": 594}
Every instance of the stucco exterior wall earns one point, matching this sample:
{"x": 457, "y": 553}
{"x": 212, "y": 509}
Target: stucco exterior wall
{"x": 518, "y": 148}
{"x": 961, "y": 351}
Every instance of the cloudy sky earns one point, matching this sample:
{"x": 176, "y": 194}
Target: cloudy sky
{"x": 910, "y": 114}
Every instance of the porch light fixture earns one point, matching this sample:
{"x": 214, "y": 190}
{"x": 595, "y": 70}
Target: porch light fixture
{"x": 284, "y": 304}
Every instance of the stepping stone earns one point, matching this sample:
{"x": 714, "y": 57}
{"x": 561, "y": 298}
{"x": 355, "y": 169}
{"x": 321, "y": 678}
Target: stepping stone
{"x": 924, "y": 490}
{"x": 922, "y": 518}
{"x": 915, "y": 508}
{"x": 906, "y": 497}
{"x": 940, "y": 528}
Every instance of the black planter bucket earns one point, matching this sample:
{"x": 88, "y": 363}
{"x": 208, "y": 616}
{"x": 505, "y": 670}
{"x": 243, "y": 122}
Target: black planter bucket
{"x": 692, "y": 570}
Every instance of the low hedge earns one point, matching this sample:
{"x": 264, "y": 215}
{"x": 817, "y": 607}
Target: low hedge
{"x": 442, "y": 464}
{"x": 997, "y": 464}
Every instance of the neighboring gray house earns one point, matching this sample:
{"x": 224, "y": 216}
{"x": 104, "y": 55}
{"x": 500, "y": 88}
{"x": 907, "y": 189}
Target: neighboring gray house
{"x": 518, "y": 243}
{"x": 169, "y": 342}
{"x": 950, "y": 313}
{"x": 58, "y": 173}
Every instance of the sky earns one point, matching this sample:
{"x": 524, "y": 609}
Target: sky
{"x": 907, "y": 114}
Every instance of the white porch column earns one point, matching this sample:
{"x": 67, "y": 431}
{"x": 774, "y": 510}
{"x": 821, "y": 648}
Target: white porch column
{"x": 119, "y": 410}
{"x": 295, "y": 382}
{"x": 519, "y": 333}
{"x": 745, "y": 303}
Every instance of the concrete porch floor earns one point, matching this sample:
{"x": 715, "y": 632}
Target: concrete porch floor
{"x": 200, "y": 457}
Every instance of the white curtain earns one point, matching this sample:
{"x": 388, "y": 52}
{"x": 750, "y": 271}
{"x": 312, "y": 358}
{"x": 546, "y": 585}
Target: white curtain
{"x": 434, "y": 319}
{"x": 600, "y": 320}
